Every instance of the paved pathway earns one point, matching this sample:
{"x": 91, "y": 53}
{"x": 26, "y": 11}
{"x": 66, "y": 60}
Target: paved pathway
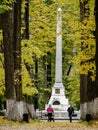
{"x": 51, "y": 126}
{"x": 44, "y": 125}
{"x": 60, "y": 120}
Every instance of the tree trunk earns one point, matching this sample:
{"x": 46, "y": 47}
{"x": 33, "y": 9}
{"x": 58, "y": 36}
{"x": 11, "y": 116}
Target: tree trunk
{"x": 17, "y": 56}
{"x": 7, "y": 26}
{"x": 90, "y": 94}
{"x": 11, "y": 38}
{"x": 35, "y": 97}
{"x": 17, "y": 49}
{"x": 83, "y": 95}
{"x": 95, "y": 105}
{"x": 26, "y": 33}
{"x": 83, "y": 77}
{"x": 29, "y": 107}
{"x": 86, "y": 84}
{"x": 49, "y": 79}
{"x": 45, "y": 79}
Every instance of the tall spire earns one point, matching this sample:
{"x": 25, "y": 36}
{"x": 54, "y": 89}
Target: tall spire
{"x": 58, "y": 99}
{"x": 58, "y": 70}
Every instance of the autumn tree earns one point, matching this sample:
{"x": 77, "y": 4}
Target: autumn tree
{"x": 29, "y": 98}
{"x": 17, "y": 55}
{"x": 11, "y": 41}
{"x": 86, "y": 81}
{"x": 83, "y": 77}
{"x": 95, "y": 105}
{"x": 9, "y": 62}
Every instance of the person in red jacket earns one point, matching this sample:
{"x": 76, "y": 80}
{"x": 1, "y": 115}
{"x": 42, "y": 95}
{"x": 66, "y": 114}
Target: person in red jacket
{"x": 50, "y": 112}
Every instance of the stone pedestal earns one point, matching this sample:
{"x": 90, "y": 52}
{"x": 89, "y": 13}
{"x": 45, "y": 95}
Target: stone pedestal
{"x": 58, "y": 99}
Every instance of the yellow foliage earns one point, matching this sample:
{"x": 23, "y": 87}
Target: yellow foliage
{"x": 42, "y": 25}
{"x": 27, "y": 86}
{"x": 2, "y": 90}
{"x": 2, "y": 80}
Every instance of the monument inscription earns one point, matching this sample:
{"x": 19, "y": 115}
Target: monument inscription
{"x": 57, "y": 91}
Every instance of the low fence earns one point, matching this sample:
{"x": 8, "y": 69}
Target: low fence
{"x": 42, "y": 114}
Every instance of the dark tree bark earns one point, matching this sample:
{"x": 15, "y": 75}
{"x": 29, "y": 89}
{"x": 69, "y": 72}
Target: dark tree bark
{"x": 12, "y": 61}
{"x": 95, "y": 105}
{"x": 17, "y": 56}
{"x": 7, "y": 26}
{"x": 29, "y": 101}
{"x": 83, "y": 77}
{"x": 83, "y": 88}
{"x": 17, "y": 49}
{"x": 35, "y": 98}
{"x": 96, "y": 36}
{"x": 26, "y": 33}
{"x": 49, "y": 78}
{"x": 30, "y": 107}
{"x": 45, "y": 78}
{"x": 86, "y": 83}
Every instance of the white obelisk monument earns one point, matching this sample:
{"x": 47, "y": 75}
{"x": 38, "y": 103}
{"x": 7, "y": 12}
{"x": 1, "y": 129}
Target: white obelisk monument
{"x": 58, "y": 99}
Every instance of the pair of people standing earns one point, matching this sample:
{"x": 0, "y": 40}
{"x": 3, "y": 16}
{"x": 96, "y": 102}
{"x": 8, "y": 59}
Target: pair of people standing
{"x": 50, "y": 113}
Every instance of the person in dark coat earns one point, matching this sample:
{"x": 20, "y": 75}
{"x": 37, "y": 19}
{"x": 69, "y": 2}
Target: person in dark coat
{"x": 70, "y": 112}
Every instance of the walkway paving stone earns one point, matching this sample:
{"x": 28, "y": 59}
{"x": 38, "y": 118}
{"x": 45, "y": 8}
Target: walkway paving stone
{"x": 49, "y": 126}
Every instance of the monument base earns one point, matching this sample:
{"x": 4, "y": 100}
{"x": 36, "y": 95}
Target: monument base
{"x": 58, "y": 115}
{"x": 58, "y": 100}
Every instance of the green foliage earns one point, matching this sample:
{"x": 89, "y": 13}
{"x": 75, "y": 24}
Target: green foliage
{"x": 2, "y": 10}
{"x": 5, "y": 5}
{"x": 7, "y": 1}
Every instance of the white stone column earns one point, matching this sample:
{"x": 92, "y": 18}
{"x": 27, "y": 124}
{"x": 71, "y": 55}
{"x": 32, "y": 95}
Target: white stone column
{"x": 58, "y": 70}
{"x": 58, "y": 99}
